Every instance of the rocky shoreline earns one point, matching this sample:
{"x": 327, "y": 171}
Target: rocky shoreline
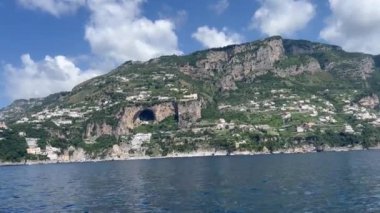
{"x": 203, "y": 153}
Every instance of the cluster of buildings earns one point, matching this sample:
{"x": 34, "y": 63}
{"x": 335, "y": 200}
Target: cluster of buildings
{"x": 142, "y": 96}
{"x": 360, "y": 113}
{"x": 51, "y": 152}
{"x": 313, "y": 107}
{"x": 320, "y": 112}
{"x": 32, "y": 146}
{"x": 163, "y": 76}
{"x": 59, "y": 116}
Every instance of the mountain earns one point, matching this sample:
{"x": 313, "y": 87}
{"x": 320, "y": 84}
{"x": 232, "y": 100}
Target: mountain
{"x": 271, "y": 95}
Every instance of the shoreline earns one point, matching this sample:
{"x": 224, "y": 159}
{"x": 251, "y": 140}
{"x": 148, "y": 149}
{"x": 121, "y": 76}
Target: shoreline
{"x": 194, "y": 154}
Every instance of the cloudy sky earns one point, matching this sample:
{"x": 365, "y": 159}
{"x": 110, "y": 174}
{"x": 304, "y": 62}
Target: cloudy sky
{"x": 48, "y": 46}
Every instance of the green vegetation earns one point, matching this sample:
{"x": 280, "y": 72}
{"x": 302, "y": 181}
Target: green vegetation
{"x": 106, "y": 116}
{"x": 291, "y": 61}
{"x": 223, "y": 142}
{"x": 162, "y": 144}
{"x": 168, "y": 124}
{"x": 36, "y": 157}
{"x": 101, "y": 146}
{"x": 59, "y": 143}
{"x": 12, "y": 147}
{"x": 31, "y": 130}
{"x": 258, "y": 116}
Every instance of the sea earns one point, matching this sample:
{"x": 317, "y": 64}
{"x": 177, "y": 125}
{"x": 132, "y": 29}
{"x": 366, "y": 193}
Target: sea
{"x": 313, "y": 182}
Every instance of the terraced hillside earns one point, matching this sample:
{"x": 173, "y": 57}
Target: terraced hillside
{"x": 272, "y": 95}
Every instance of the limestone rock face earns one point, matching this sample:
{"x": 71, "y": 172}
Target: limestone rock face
{"x": 189, "y": 112}
{"x": 98, "y": 129}
{"x": 120, "y": 151}
{"x": 312, "y": 66}
{"x": 163, "y": 111}
{"x": 369, "y": 101}
{"x": 241, "y": 61}
{"x": 128, "y": 117}
{"x": 366, "y": 67}
{"x": 77, "y": 154}
{"x": 269, "y": 53}
{"x": 228, "y": 83}
{"x": 139, "y": 139}
{"x": 355, "y": 68}
{"x": 247, "y": 61}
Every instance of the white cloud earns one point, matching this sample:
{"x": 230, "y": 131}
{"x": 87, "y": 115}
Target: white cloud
{"x": 178, "y": 17}
{"x": 211, "y": 37}
{"x": 220, "y": 6}
{"x": 282, "y": 17}
{"x": 354, "y": 25}
{"x": 54, "y": 7}
{"x": 118, "y": 31}
{"x": 41, "y": 78}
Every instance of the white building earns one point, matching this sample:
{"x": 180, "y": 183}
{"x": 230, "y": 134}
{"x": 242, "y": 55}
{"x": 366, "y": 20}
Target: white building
{"x": 33, "y": 146}
{"x": 191, "y": 96}
{"x": 348, "y": 129}
{"x": 75, "y": 114}
{"x": 62, "y": 122}
{"x": 222, "y": 124}
{"x": 163, "y": 98}
{"x": 300, "y": 129}
{"x": 3, "y": 126}
{"x": 22, "y": 120}
{"x": 34, "y": 151}
{"x": 32, "y": 142}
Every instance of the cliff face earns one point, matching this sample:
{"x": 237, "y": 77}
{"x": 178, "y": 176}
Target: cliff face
{"x": 310, "y": 66}
{"x": 189, "y": 112}
{"x": 353, "y": 68}
{"x": 244, "y": 87}
{"x": 127, "y": 118}
{"x": 235, "y": 63}
{"x": 222, "y": 67}
{"x": 281, "y": 57}
{"x": 98, "y": 129}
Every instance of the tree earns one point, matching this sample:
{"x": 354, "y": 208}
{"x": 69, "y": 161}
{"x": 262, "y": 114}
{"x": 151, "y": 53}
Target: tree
{"x": 12, "y": 147}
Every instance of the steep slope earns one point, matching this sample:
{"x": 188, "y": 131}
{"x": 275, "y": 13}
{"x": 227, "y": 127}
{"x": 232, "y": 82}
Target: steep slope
{"x": 274, "y": 94}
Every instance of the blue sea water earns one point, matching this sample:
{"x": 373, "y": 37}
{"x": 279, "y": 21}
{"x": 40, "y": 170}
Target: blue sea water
{"x": 315, "y": 182}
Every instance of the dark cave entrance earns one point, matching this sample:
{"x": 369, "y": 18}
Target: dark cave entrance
{"x": 147, "y": 115}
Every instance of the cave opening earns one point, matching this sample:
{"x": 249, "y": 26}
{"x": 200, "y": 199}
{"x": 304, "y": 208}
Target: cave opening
{"x": 147, "y": 115}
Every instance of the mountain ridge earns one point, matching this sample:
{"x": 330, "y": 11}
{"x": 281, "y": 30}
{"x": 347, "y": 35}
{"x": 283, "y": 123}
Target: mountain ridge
{"x": 268, "y": 94}
{"x": 286, "y": 46}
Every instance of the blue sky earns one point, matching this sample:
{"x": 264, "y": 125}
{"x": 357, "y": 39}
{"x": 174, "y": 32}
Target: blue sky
{"x": 48, "y": 46}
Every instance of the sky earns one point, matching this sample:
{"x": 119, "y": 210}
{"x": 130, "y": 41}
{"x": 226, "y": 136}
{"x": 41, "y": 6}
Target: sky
{"x": 47, "y": 46}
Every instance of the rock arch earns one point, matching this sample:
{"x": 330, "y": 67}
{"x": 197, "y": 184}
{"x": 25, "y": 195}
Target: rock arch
{"x": 130, "y": 117}
{"x": 145, "y": 115}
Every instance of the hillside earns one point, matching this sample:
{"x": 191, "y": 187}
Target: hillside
{"x": 272, "y": 95}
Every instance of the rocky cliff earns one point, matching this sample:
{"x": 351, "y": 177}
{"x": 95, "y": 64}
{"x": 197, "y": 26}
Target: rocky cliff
{"x": 128, "y": 118}
{"x": 237, "y": 62}
{"x": 305, "y": 94}
{"x": 189, "y": 112}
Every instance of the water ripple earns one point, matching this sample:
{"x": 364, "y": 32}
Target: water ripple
{"x": 322, "y": 182}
